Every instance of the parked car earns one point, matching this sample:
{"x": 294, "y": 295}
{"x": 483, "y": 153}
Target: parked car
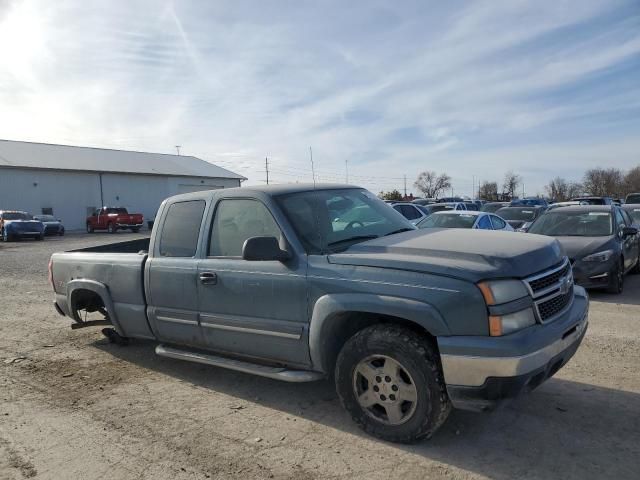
{"x": 15, "y": 224}
{"x": 114, "y": 219}
{"x": 52, "y": 225}
{"x": 408, "y": 322}
{"x": 599, "y": 241}
{"x": 424, "y": 201}
{"x": 632, "y": 198}
{"x": 567, "y": 204}
{"x": 465, "y": 219}
{"x": 412, "y": 212}
{"x": 520, "y": 218}
{"x": 470, "y": 205}
{"x": 530, "y": 201}
{"x": 633, "y": 210}
{"x": 593, "y": 200}
{"x": 450, "y": 200}
{"x": 492, "y": 207}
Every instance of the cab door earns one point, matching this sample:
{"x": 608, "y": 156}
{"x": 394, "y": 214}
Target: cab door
{"x": 171, "y": 274}
{"x": 251, "y": 308}
{"x": 628, "y": 243}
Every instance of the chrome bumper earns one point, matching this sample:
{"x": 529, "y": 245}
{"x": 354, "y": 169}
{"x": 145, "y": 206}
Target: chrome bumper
{"x": 473, "y": 371}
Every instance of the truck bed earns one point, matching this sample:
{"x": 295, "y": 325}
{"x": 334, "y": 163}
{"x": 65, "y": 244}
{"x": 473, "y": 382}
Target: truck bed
{"x": 129, "y": 246}
{"x": 115, "y": 271}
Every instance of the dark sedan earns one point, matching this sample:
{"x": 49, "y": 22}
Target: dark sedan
{"x": 599, "y": 239}
{"x": 520, "y": 218}
{"x": 492, "y": 207}
{"x": 52, "y": 225}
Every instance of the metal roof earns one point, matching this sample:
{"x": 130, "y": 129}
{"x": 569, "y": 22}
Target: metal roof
{"x": 65, "y": 157}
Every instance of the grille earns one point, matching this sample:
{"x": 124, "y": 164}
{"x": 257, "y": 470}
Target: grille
{"x": 555, "y": 305}
{"x": 547, "y": 281}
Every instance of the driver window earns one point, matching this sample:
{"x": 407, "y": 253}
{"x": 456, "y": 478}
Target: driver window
{"x": 237, "y": 220}
{"x": 347, "y": 213}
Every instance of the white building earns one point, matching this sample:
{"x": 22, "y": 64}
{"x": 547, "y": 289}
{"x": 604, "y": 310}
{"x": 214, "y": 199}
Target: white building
{"x": 69, "y": 182}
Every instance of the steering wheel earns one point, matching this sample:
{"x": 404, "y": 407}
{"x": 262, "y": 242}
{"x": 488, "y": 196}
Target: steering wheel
{"x": 352, "y": 223}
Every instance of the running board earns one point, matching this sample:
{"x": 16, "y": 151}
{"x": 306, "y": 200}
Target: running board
{"x": 278, "y": 373}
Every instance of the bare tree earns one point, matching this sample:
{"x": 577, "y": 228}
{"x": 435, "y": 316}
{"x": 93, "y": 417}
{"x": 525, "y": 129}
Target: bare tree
{"x": 510, "y": 185}
{"x": 574, "y": 189}
{"x": 431, "y": 184}
{"x": 392, "y": 195}
{"x": 488, "y": 191}
{"x": 604, "y": 182}
{"x": 560, "y": 190}
{"x": 632, "y": 180}
{"x": 557, "y": 189}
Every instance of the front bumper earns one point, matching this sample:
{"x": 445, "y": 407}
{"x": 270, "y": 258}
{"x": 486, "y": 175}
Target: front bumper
{"x": 593, "y": 274}
{"x": 480, "y": 372}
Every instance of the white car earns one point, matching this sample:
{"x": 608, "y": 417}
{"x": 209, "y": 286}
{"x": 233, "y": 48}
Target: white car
{"x": 465, "y": 219}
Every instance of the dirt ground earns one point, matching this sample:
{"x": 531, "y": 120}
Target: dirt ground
{"x": 73, "y": 406}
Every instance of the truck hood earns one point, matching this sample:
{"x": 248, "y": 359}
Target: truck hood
{"x": 578, "y": 247}
{"x": 471, "y": 255}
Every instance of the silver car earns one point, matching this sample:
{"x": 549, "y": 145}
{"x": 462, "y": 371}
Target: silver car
{"x": 465, "y": 219}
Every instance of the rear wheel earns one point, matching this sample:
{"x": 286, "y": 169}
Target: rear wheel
{"x": 135, "y": 229}
{"x": 616, "y": 280}
{"x": 389, "y": 379}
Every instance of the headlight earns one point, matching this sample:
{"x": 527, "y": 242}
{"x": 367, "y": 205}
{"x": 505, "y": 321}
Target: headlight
{"x": 496, "y": 292}
{"x": 599, "y": 257}
{"x": 511, "y": 322}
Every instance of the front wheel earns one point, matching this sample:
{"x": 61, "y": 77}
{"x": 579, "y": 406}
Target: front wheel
{"x": 89, "y": 228}
{"x": 112, "y": 228}
{"x": 389, "y": 379}
{"x": 616, "y": 280}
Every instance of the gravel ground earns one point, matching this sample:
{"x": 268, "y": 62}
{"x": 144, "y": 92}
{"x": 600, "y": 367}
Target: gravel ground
{"x": 73, "y": 406}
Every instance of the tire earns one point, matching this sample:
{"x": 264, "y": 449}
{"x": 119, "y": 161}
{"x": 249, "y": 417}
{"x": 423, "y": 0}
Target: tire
{"x": 135, "y": 230}
{"x": 111, "y": 227}
{"x": 384, "y": 349}
{"x": 61, "y": 232}
{"x": 40, "y": 237}
{"x": 616, "y": 282}
{"x": 5, "y": 236}
{"x": 636, "y": 269}
{"x": 90, "y": 228}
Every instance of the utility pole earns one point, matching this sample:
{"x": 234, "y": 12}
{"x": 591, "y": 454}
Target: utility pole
{"x": 266, "y": 168}
{"x": 522, "y": 189}
{"x": 178, "y": 149}
{"x": 473, "y": 188}
{"x": 405, "y": 186}
{"x": 346, "y": 171}
{"x": 313, "y": 170}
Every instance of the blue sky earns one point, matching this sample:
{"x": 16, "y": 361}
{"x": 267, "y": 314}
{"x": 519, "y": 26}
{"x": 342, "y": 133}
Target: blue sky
{"x": 473, "y": 89}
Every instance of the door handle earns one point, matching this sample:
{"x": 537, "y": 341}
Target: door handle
{"x": 208, "y": 278}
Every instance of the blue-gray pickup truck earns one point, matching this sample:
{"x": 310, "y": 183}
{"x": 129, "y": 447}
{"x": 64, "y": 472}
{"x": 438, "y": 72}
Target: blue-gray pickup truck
{"x": 302, "y": 282}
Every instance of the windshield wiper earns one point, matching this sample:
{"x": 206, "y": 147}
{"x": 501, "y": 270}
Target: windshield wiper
{"x": 351, "y": 239}
{"x": 400, "y": 230}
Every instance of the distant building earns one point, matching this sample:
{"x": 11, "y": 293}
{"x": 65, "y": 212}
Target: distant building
{"x": 69, "y": 182}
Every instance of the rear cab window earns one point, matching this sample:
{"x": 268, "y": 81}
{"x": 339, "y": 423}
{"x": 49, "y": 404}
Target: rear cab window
{"x": 181, "y": 229}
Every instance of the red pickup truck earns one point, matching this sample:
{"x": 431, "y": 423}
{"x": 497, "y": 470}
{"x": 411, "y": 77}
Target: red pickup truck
{"x": 114, "y": 219}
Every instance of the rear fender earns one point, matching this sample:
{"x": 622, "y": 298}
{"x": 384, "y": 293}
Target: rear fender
{"x": 328, "y": 309}
{"x": 102, "y": 291}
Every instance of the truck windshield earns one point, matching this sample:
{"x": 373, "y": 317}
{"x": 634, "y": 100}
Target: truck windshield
{"x": 573, "y": 224}
{"x": 333, "y": 220}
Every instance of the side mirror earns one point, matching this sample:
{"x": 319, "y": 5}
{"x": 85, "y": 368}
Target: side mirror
{"x": 263, "y": 249}
{"x": 629, "y": 231}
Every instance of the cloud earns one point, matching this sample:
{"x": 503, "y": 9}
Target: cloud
{"x": 468, "y": 88}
